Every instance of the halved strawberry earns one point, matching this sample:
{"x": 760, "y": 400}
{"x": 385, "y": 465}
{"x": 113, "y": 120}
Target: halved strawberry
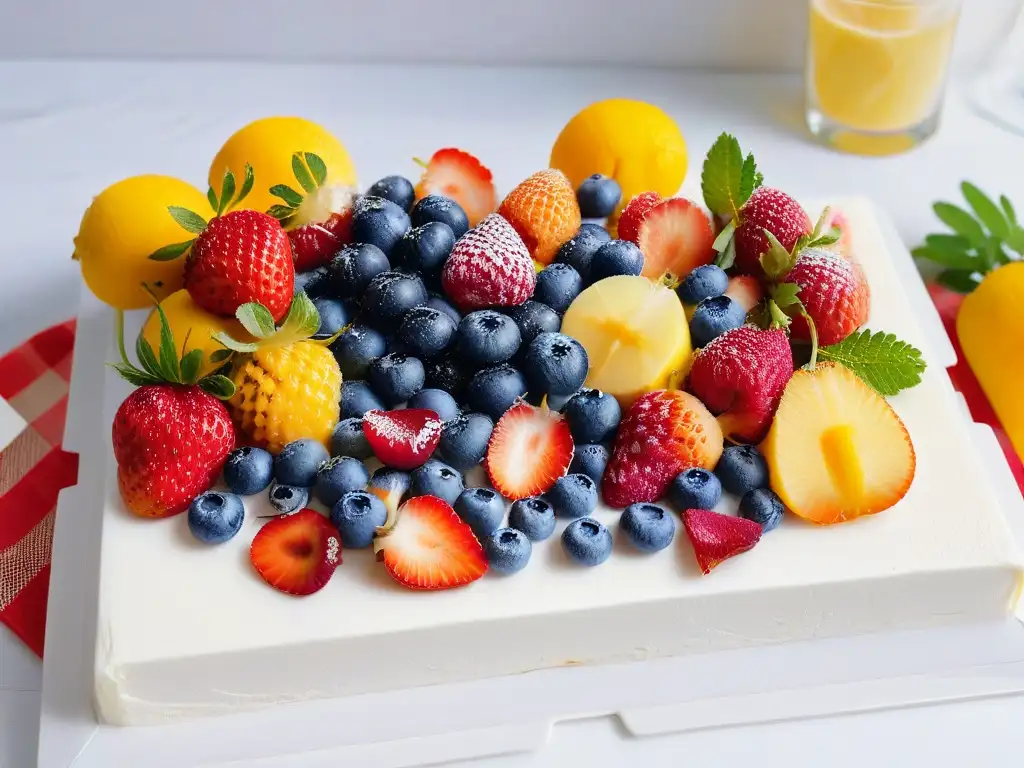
{"x": 634, "y": 213}
{"x": 314, "y": 244}
{"x": 530, "y": 448}
{"x": 718, "y": 537}
{"x": 459, "y": 175}
{"x": 675, "y": 237}
{"x": 746, "y": 290}
{"x": 297, "y": 553}
{"x": 402, "y": 439}
{"x": 426, "y": 546}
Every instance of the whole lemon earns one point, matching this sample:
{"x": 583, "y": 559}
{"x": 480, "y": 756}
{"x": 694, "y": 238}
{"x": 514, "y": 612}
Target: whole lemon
{"x": 122, "y": 226}
{"x": 268, "y": 145}
{"x": 634, "y": 142}
{"x": 192, "y": 328}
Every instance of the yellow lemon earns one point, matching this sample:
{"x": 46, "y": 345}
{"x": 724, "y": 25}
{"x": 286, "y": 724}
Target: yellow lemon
{"x": 192, "y": 328}
{"x": 634, "y": 142}
{"x": 268, "y": 145}
{"x": 122, "y": 226}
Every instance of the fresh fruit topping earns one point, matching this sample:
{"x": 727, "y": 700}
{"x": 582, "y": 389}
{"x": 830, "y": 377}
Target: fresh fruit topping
{"x": 426, "y": 546}
{"x": 635, "y": 213}
{"x": 450, "y": 374}
{"x": 740, "y": 376}
{"x": 298, "y": 553}
{"x": 713, "y": 317}
{"x": 390, "y": 295}
{"x": 354, "y": 266}
{"x": 396, "y": 377}
{"x": 489, "y": 266}
{"x": 215, "y": 517}
{"x": 459, "y": 176}
{"x": 544, "y": 211}
{"x": 533, "y": 319}
{"x": 286, "y": 499}
{"x": 587, "y": 542}
{"x": 675, "y": 237}
{"x": 598, "y": 196}
{"x": 357, "y": 347}
{"x": 425, "y": 249}
{"x": 833, "y": 291}
{"x": 357, "y": 515}
{"x": 299, "y": 461}
{"x": 593, "y": 416}
{"x": 663, "y": 433}
{"x": 338, "y": 476}
{"x": 716, "y": 537}
{"x": 763, "y": 507}
{"x": 745, "y": 290}
{"x": 530, "y": 448}
{"x": 443, "y": 210}
{"x": 397, "y": 189}
{"x": 379, "y": 222}
{"x": 248, "y": 470}
{"x": 435, "y": 478}
{"x": 742, "y": 468}
{"x": 402, "y": 439}
{"x": 728, "y": 179}
{"x": 555, "y": 364}
{"x": 573, "y": 496}
{"x": 580, "y": 249}
{"x": 486, "y": 337}
{"x": 590, "y": 460}
{"x": 390, "y": 486}
{"x": 508, "y": 550}
{"x": 438, "y": 401}
{"x": 348, "y": 439}
{"x": 334, "y": 317}
{"x": 616, "y": 257}
{"x": 535, "y": 517}
{"x": 836, "y": 449}
{"x": 481, "y": 509}
{"x": 557, "y": 286}
{"x": 648, "y": 527}
{"x": 358, "y": 397}
{"x": 464, "y": 440}
{"x": 704, "y": 282}
{"x": 695, "y": 488}
{"x": 772, "y": 210}
{"x": 885, "y": 363}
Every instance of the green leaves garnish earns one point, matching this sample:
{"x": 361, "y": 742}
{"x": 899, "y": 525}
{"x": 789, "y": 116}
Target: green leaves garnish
{"x": 311, "y": 173}
{"x": 302, "y": 321}
{"x": 256, "y": 319}
{"x": 725, "y": 246}
{"x": 776, "y": 261}
{"x": 186, "y": 219}
{"x": 728, "y": 178}
{"x": 885, "y": 363}
{"x": 819, "y": 237}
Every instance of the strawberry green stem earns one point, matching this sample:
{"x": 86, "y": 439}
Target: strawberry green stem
{"x": 813, "y": 362}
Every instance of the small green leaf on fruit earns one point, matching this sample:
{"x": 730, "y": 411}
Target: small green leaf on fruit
{"x": 885, "y": 363}
{"x": 725, "y": 236}
{"x": 186, "y": 219}
{"x": 168, "y": 353}
{"x": 190, "y": 365}
{"x": 750, "y": 179}
{"x": 1015, "y": 240}
{"x": 317, "y": 167}
{"x": 951, "y": 251}
{"x": 281, "y": 212}
{"x": 286, "y": 193}
{"x": 256, "y": 319}
{"x": 234, "y": 345}
{"x": 1007, "y": 206}
{"x": 722, "y": 176}
{"x": 959, "y": 280}
{"x": 219, "y": 386}
{"x": 147, "y": 359}
{"x": 786, "y": 294}
{"x": 778, "y": 318}
{"x": 961, "y": 222}
{"x": 302, "y": 174}
{"x": 134, "y": 376}
{"x": 725, "y": 259}
{"x": 211, "y": 196}
{"x": 227, "y": 192}
{"x": 776, "y": 261}
{"x": 220, "y": 355}
{"x": 171, "y": 252}
{"x": 988, "y": 213}
{"x": 303, "y": 320}
{"x": 247, "y": 181}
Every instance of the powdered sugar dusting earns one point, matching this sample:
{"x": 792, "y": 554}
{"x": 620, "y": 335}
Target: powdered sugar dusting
{"x": 405, "y": 428}
{"x": 833, "y": 290}
{"x": 489, "y": 266}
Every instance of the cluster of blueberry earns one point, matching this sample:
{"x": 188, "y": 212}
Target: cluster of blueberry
{"x": 714, "y": 313}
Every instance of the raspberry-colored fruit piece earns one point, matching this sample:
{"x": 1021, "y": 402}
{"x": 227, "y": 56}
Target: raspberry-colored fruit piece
{"x": 676, "y": 238}
{"x": 297, "y": 553}
{"x": 315, "y": 244}
{"x": 544, "y": 211}
{"x": 775, "y": 211}
{"x": 746, "y": 290}
{"x": 634, "y": 213}
{"x": 835, "y": 293}
{"x": 458, "y": 175}
{"x": 489, "y": 267}
{"x": 718, "y": 537}
{"x": 402, "y": 439}
{"x": 530, "y": 448}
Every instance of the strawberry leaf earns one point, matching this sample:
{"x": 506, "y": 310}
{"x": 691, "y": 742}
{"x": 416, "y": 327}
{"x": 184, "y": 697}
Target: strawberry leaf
{"x": 302, "y": 174}
{"x": 750, "y": 179}
{"x": 233, "y": 345}
{"x": 988, "y": 213}
{"x": 317, "y": 167}
{"x": 211, "y": 197}
{"x": 959, "y": 280}
{"x": 778, "y": 318}
{"x": 286, "y": 193}
{"x": 786, "y": 294}
{"x": 134, "y": 376}
{"x": 147, "y": 359}
{"x": 190, "y": 365}
{"x": 186, "y": 219}
{"x": 885, "y": 363}
{"x": 227, "y": 192}
{"x": 1015, "y": 240}
{"x": 1007, "y": 206}
{"x": 776, "y": 261}
{"x": 248, "y": 180}
{"x": 952, "y": 251}
{"x": 168, "y": 354}
{"x": 256, "y": 319}
{"x": 171, "y": 252}
{"x": 219, "y": 386}
{"x": 961, "y": 222}
{"x": 721, "y": 177}
{"x": 303, "y": 321}
{"x": 281, "y": 212}
{"x": 220, "y": 355}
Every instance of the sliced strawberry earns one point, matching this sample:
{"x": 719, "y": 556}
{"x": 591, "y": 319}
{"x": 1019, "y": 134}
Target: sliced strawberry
{"x": 746, "y": 290}
{"x": 427, "y": 546}
{"x": 718, "y": 537}
{"x": 634, "y": 213}
{"x": 457, "y": 174}
{"x": 298, "y": 553}
{"x": 315, "y": 244}
{"x": 675, "y": 237}
{"x": 530, "y": 448}
{"x": 402, "y": 439}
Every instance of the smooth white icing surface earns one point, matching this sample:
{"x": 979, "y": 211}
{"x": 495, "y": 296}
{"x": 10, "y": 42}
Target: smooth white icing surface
{"x": 189, "y": 630}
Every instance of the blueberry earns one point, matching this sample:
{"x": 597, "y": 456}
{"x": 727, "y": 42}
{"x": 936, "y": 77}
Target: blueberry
{"x": 695, "y": 488}
{"x": 573, "y": 496}
{"x": 647, "y": 526}
{"x": 507, "y": 550}
{"x": 314, "y": 283}
{"x": 558, "y": 402}
{"x": 298, "y": 462}
{"x": 354, "y": 266}
{"x": 390, "y": 485}
{"x": 535, "y": 517}
{"x": 448, "y": 374}
{"x": 436, "y": 400}
{"x": 463, "y": 442}
{"x": 705, "y": 282}
{"x": 713, "y": 317}
{"x": 214, "y": 517}
{"x": 593, "y": 416}
{"x": 441, "y": 304}
{"x": 248, "y": 470}
{"x": 357, "y": 515}
{"x": 617, "y": 257}
{"x": 435, "y": 478}
{"x": 426, "y": 332}
{"x": 493, "y": 390}
{"x": 742, "y": 468}
{"x": 481, "y": 509}
{"x": 350, "y": 440}
{"x": 533, "y": 319}
{"x": 424, "y": 249}
{"x": 357, "y": 398}
{"x": 762, "y": 506}
{"x": 486, "y": 337}
{"x": 397, "y": 189}
{"x": 379, "y": 222}
{"x": 288, "y": 498}
{"x": 579, "y": 251}
{"x": 356, "y": 348}
{"x": 390, "y": 295}
{"x": 334, "y": 316}
{"x": 587, "y": 541}
{"x": 589, "y": 460}
{"x": 337, "y": 477}
{"x": 443, "y": 209}
{"x": 598, "y": 195}
{"x": 557, "y": 286}
{"x": 396, "y": 377}
{"x": 555, "y": 364}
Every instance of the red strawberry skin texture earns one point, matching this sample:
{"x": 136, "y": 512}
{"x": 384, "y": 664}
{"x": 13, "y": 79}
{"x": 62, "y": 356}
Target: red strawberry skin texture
{"x": 634, "y": 213}
{"x": 718, "y": 537}
{"x": 835, "y": 293}
{"x": 775, "y": 211}
{"x": 489, "y": 266}
{"x": 170, "y": 443}
{"x": 742, "y": 374}
{"x": 402, "y": 439}
{"x": 240, "y": 257}
{"x": 314, "y": 245}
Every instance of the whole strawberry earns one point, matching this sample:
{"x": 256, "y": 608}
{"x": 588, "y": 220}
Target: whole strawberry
{"x": 775, "y": 211}
{"x": 489, "y": 266}
{"x": 835, "y": 293}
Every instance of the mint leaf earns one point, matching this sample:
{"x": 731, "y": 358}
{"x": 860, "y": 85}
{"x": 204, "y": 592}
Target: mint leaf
{"x": 885, "y": 363}
{"x": 227, "y": 192}
{"x": 286, "y": 193}
{"x": 988, "y": 213}
{"x": 721, "y": 176}
{"x": 256, "y": 319}
{"x": 190, "y": 365}
{"x": 317, "y": 167}
{"x": 171, "y": 252}
{"x": 961, "y": 222}
{"x": 247, "y": 182}
{"x": 302, "y": 174}
{"x": 303, "y": 321}
{"x": 750, "y": 179}
{"x": 186, "y": 219}
{"x": 786, "y": 294}
{"x": 952, "y": 251}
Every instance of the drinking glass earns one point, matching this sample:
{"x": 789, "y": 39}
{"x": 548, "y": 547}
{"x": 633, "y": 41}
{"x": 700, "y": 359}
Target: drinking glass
{"x": 998, "y": 91}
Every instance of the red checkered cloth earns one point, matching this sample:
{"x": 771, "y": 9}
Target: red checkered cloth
{"x": 34, "y": 380}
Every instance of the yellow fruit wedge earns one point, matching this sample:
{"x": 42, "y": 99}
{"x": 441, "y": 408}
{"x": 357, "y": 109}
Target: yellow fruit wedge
{"x": 635, "y": 334}
{"x": 836, "y": 449}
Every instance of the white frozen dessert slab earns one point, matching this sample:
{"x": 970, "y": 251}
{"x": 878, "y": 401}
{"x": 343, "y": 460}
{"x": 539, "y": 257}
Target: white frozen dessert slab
{"x": 186, "y": 630}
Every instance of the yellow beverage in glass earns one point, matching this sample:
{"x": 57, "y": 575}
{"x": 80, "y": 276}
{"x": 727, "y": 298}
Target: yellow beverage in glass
{"x": 876, "y": 71}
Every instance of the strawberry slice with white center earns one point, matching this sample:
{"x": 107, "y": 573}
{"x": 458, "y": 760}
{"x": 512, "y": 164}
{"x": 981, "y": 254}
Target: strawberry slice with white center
{"x": 297, "y": 553}
{"x": 458, "y": 175}
{"x": 426, "y": 546}
{"x": 530, "y": 448}
{"x": 676, "y": 238}
{"x": 402, "y": 439}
